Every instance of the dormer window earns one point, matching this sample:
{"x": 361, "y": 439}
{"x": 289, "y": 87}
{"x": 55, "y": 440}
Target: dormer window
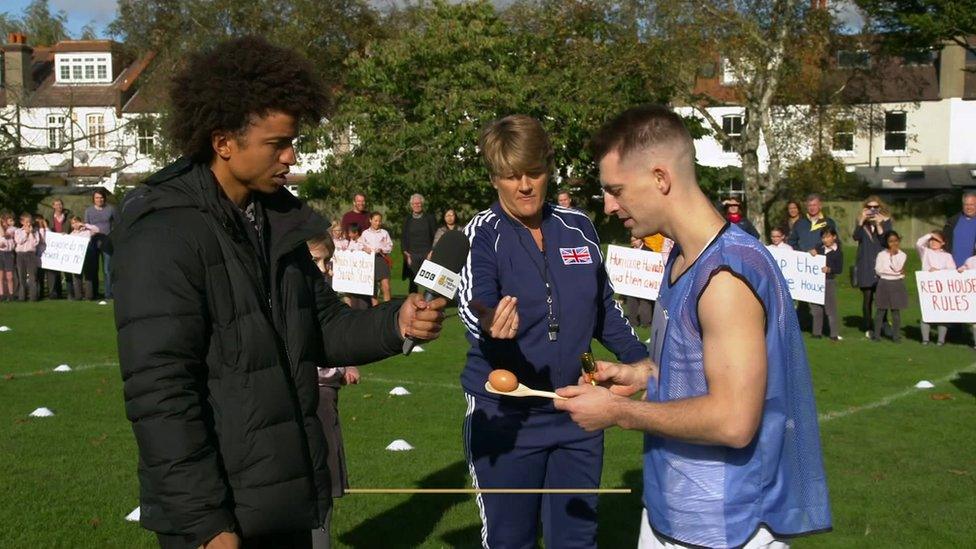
{"x": 83, "y": 68}
{"x": 853, "y": 59}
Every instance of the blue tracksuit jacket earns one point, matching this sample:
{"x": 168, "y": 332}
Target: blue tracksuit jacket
{"x": 505, "y": 260}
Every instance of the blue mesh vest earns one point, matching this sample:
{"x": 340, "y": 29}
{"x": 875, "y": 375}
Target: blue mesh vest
{"x": 717, "y": 496}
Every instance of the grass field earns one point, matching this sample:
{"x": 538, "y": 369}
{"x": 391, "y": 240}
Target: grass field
{"x": 901, "y": 462}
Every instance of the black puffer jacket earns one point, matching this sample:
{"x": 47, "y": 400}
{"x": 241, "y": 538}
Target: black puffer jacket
{"x": 218, "y": 355}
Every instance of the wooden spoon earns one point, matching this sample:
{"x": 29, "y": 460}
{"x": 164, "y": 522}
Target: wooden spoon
{"x": 523, "y": 391}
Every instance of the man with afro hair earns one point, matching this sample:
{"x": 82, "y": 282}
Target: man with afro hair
{"x": 223, "y": 317}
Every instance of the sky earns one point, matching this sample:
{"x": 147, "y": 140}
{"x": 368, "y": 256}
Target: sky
{"x": 101, "y": 12}
{"x": 80, "y": 12}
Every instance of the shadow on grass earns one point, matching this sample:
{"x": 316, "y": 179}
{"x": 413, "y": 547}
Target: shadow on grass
{"x": 463, "y": 538}
{"x": 410, "y": 523}
{"x": 966, "y": 382}
{"x": 619, "y": 514}
{"x": 852, "y": 321}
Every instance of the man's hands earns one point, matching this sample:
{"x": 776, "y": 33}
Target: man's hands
{"x": 624, "y": 379}
{"x": 421, "y": 319}
{"x": 351, "y": 377}
{"x": 592, "y": 408}
{"x": 224, "y": 540}
{"x": 595, "y": 408}
{"x": 501, "y": 322}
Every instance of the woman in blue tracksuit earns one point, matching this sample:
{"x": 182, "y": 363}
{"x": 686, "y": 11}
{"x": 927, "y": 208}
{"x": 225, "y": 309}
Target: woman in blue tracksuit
{"x": 533, "y": 295}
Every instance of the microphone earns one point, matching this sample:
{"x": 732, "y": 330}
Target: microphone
{"x": 441, "y": 274}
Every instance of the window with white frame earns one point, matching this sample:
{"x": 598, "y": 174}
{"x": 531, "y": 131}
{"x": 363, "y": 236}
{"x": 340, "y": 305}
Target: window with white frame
{"x": 847, "y": 59}
{"x": 96, "y": 131}
{"x": 145, "y": 137}
{"x": 843, "y": 140}
{"x": 895, "y": 131}
{"x": 83, "y": 68}
{"x": 729, "y": 73}
{"x": 732, "y": 126}
{"x": 55, "y": 131}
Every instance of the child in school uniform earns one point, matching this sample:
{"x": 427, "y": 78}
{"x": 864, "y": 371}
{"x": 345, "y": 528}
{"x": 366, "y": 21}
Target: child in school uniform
{"x": 83, "y": 284}
{"x": 829, "y": 248}
{"x": 777, "y": 240}
{"x": 931, "y": 248}
{"x": 891, "y": 295}
{"x": 331, "y": 379}
{"x": 8, "y": 261}
{"x": 354, "y": 243}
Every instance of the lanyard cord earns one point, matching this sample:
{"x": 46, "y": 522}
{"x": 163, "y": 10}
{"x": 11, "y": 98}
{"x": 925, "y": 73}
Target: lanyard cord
{"x": 544, "y": 274}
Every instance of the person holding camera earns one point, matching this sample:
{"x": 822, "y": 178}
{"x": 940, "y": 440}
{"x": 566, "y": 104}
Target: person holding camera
{"x": 872, "y": 223}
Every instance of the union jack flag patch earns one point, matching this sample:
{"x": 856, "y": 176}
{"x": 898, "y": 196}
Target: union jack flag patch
{"x": 575, "y": 256}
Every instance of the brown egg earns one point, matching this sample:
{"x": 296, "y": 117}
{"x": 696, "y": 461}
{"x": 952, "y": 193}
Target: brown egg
{"x": 503, "y": 380}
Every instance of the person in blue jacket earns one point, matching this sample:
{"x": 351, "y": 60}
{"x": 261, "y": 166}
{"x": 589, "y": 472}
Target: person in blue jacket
{"x": 533, "y": 295}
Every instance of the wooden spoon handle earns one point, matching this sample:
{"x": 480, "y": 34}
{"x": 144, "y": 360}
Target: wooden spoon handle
{"x": 545, "y": 394}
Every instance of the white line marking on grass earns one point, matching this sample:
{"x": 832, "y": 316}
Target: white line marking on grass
{"x": 367, "y": 378}
{"x": 80, "y": 368}
{"x": 830, "y": 416}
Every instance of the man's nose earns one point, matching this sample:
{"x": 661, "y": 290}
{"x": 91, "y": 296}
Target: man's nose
{"x": 610, "y": 205}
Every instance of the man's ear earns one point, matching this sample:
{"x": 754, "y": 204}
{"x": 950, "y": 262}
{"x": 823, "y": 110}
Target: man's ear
{"x": 663, "y": 178}
{"x": 221, "y": 142}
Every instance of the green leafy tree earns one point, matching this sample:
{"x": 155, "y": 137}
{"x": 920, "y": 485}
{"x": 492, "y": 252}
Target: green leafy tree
{"x": 409, "y": 117}
{"x": 825, "y": 175}
{"x": 921, "y": 24}
{"x": 774, "y": 55}
{"x": 17, "y": 194}
{"x": 325, "y": 32}
{"x": 42, "y": 27}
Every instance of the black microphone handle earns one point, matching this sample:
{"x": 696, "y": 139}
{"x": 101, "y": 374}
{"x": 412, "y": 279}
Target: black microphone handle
{"x": 409, "y": 342}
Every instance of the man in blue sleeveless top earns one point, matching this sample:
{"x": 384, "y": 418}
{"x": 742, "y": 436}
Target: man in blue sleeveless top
{"x": 732, "y": 449}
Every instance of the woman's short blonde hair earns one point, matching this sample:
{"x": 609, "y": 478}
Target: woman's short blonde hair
{"x": 516, "y": 145}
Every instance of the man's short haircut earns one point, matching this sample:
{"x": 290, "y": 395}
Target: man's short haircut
{"x": 969, "y": 194}
{"x": 359, "y": 194}
{"x": 100, "y": 192}
{"x": 639, "y": 128}
{"x": 813, "y": 196}
{"x": 417, "y": 195}
{"x": 222, "y": 88}
{"x": 516, "y": 145}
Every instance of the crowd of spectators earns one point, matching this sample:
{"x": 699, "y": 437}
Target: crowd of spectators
{"x": 23, "y": 239}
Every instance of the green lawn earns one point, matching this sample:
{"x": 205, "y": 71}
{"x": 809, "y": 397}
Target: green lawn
{"x": 901, "y": 464}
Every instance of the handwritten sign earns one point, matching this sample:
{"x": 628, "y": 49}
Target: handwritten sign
{"x": 352, "y": 272}
{"x": 947, "y": 296}
{"x": 803, "y": 273}
{"x": 63, "y": 252}
{"x": 634, "y": 272}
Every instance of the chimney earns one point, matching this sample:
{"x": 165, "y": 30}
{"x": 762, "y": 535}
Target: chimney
{"x": 952, "y": 71}
{"x": 17, "y": 74}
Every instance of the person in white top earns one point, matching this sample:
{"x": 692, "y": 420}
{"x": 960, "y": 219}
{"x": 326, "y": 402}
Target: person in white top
{"x": 27, "y": 238}
{"x": 8, "y": 266}
{"x": 931, "y": 248}
{"x": 891, "y": 295}
{"x": 777, "y": 240}
{"x": 376, "y": 240}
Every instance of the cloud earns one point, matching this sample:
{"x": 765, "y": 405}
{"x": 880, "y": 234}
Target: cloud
{"x": 849, "y": 15}
{"x": 98, "y": 12}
